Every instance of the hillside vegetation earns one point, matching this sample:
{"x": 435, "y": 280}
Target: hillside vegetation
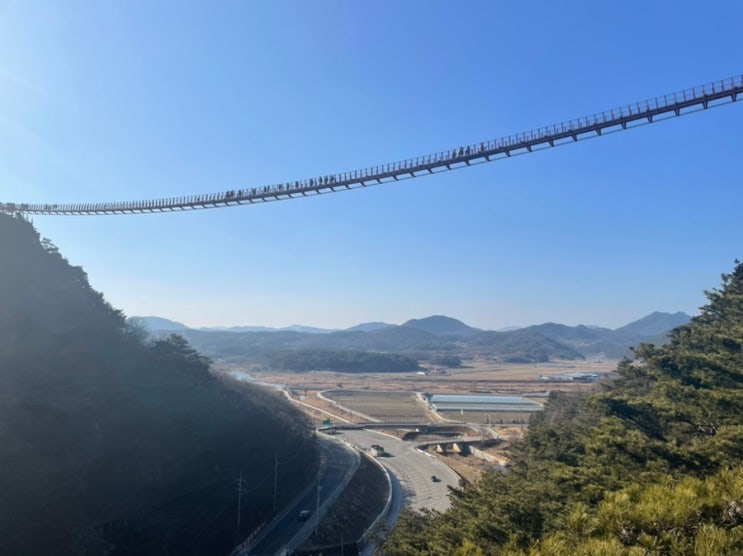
{"x": 614, "y": 344}
{"x": 342, "y": 361}
{"x": 394, "y": 348}
{"x": 389, "y": 348}
{"x": 650, "y": 466}
{"x": 110, "y": 445}
{"x": 440, "y": 325}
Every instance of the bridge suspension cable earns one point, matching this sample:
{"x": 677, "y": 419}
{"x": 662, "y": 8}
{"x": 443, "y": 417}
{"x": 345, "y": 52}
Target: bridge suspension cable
{"x": 679, "y": 103}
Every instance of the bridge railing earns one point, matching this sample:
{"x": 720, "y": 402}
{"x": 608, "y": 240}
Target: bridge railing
{"x": 465, "y": 154}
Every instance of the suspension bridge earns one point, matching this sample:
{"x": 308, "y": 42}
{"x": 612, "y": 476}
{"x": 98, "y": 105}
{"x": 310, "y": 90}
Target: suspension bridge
{"x": 717, "y": 93}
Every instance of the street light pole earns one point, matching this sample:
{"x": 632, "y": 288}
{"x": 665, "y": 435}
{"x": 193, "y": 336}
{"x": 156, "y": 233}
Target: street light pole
{"x": 317, "y": 507}
{"x": 239, "y": 504}
{"x": 275, "y": 478}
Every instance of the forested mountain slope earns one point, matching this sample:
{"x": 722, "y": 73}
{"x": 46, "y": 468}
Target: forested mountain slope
{"x": 109, "y": 445}
{"x": 420, "y": 339}
{"x": 650, "y": 466}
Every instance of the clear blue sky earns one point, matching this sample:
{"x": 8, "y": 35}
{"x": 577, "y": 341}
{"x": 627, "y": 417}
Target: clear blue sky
{"x": 104, "y": 101}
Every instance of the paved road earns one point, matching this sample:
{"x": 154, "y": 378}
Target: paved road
{"x": 412, "y": 471}
{"x": 289, "y": 532}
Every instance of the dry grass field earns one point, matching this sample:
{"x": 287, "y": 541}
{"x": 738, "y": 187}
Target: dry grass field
{"x": 383, "y": 406}
{"x": 352, "y": 397}
{"x": 490, "y": 418}
{"x": 391, "y": 397}
{"x": 476, "y": 376}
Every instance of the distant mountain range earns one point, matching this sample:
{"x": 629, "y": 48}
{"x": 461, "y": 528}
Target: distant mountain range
{"x": 438, "y": 325}
{"x": 369, "y": 326}
{"x": 157, "y": 323}
{"x": 291, "y": 328}
{"x": 442, "y": 326}
{"x": 614, "y": 344}
{"x": 423, "y": 338}
{"x": 655, "y": 323}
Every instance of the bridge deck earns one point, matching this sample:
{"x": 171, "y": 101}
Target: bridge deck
{"x": 647, "y": 111}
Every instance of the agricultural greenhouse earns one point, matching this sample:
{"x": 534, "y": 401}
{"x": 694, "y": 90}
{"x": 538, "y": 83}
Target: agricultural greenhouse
{"x": 456, "y": 402}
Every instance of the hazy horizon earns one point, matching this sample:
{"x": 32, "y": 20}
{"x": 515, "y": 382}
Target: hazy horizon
{"x": 344, "y": 327}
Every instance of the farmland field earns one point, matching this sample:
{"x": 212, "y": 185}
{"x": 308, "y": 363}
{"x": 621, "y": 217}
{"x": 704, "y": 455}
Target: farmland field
{"x": 477, "y": 376}
{"x": 491, "y": 417}
{"x": 390, "y": 397}
{"x": 385, "y": 406}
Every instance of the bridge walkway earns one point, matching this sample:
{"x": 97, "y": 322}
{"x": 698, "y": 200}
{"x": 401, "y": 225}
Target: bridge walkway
{"x": 625, "y": 117}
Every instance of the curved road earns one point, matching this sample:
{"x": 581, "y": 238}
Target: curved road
{"x": 411, "y": 472}
{"x": 338, "y": 463}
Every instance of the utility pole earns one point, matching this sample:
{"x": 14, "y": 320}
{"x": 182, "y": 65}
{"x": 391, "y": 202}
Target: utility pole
{"x": 275, "y": 479}
{"x": 317, "y": 507}
{"x": 239, "y": 505}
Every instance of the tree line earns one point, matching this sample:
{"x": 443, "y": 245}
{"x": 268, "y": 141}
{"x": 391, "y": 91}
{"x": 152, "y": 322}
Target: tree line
{"x": 650, "y": 465}
{"x": 114, "y": 444}
{"x": 343, "y": 361}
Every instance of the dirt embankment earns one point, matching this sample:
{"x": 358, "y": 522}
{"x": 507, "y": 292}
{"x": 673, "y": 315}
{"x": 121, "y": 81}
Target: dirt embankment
{"x": 354, "y": 512}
